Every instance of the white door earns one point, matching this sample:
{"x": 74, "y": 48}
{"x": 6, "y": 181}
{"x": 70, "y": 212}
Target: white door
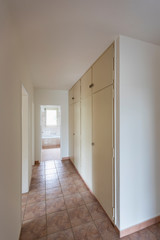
{"x": 103, "y": 147}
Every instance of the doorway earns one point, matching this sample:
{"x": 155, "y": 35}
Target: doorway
{"x": 50, "y": 132}
{"x": 25, "y": 167}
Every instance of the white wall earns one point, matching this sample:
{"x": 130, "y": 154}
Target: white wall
{"x": 139, "y": 131}
{"x": 12, "y": 74}
{"x": 51, "y": 97}
{"x": 33, "y": 140}
{"x": 25, "y": 162}
{"x": 10, "y": 131}
{"x": 117, "y": 136}
{"x": 26, "y": 81}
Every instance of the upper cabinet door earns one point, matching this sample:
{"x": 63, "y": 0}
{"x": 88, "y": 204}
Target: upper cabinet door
{"x": 76, "y": 92}
{"x": 103, "y": 70}
{"x": 71, "y": 98}
{"x": 86, "y": 82}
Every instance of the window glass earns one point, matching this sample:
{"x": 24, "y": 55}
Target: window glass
{"x": 51, "y": 117}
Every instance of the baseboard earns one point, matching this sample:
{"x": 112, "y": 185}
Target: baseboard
{"x": 65, "y": 158}
{"x": 139, "y": 227}
{"x": 51, "y": 146}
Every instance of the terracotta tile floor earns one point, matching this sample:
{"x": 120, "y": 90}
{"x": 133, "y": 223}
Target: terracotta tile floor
{"x": 59, "y": 207}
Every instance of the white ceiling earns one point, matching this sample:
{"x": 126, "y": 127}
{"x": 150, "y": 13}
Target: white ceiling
{"x": 62, "y": 38}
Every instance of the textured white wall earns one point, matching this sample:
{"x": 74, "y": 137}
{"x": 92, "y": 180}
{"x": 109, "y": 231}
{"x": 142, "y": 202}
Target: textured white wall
{"x": 51, "y": 97}
{"x": 139, "y": 131}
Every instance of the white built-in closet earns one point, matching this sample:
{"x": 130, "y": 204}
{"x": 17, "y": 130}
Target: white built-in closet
{"x": 91, "y": 118}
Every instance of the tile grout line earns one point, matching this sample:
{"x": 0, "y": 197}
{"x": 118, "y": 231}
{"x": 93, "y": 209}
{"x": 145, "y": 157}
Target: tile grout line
{"x": 65, "y": 205}
{"x": 67, "y": 210}
{"x": 60, "y": 179}
{"x": 86, "y": 203}
{"x": 46, "y": 203}
{"x": 90, "y": 213}
{"x": 79, "y": 206}
{"x": 63, "y": 196}
{"x": 94, "y": 222}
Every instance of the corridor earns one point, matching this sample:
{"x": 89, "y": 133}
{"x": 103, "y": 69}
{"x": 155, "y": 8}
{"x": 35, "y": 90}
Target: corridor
{"x": 60, "y": 207}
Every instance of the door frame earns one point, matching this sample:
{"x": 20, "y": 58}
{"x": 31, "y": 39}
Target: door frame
{"x": 25, "y": 141}
{"x": 51, "y": 107}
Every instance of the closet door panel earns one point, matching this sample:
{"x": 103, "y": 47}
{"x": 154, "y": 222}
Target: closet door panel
{"x": 76, "y": 92}
{"x": 71, "y": 122}
{"x": 103, "y": 70}
{"x": 86, "y": 140}
{"x": 85, "y": 84}
{"x": 76, "y": 135}
{"x": 71, "y": 98}
{"x": 102, "y": 149}
{"x": 77, "y": 162}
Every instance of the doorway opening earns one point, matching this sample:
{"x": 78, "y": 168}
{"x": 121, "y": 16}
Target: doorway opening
{"x": 25, "y": 167}
{"x": 50, "y": 132}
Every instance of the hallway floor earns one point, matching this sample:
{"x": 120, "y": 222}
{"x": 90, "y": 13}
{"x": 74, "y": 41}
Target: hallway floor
{"x": 60, "y": 207}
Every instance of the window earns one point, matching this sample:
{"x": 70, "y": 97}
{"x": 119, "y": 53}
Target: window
{"x": 51, "y": 117}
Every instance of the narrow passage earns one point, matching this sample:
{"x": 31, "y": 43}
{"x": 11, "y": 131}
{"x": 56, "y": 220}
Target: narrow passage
{"x": 60, "y": 207}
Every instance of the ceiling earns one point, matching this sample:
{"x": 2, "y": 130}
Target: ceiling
{"x": 62, "y": 38}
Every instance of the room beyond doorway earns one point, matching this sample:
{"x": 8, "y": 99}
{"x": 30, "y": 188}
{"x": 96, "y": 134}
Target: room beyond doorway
{"x": 50, "y": 132}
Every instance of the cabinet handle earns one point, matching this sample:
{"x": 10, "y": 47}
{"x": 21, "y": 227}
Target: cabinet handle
{"x": 72, "y": 98}
{"x": 92, "y": 143}
{"x": 91, "y": 85}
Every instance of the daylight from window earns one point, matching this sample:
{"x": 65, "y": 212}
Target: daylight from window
{"x": 51, "y": 117}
